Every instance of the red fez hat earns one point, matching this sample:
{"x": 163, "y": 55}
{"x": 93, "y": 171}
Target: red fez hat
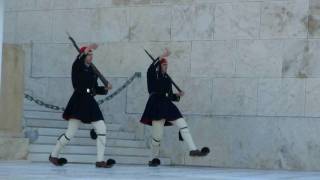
{"x": 82, "y": 49}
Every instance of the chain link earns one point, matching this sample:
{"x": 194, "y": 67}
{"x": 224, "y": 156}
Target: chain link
{"x": 101, "y": 101}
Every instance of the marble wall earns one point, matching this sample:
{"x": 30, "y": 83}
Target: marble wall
{"x": 249, "y": 68}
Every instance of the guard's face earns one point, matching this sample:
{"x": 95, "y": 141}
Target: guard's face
{"x": 164, "y": 67}
{"x": 89, "y": 57}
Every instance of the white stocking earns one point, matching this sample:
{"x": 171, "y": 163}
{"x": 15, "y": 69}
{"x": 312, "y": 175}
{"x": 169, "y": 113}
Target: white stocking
{"x": 73, "y": 126}
{"x": 101, "y": 131}
{"x": 185, "y": 133}
{"x": 157, "y": 133}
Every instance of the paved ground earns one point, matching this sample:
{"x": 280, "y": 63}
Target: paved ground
{"x": 31, "y": 171}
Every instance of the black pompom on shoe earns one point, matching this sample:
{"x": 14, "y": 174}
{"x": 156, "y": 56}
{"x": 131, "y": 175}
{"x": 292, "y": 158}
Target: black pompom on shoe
{"x": 62, "y": 161}
{"x": 154, "y": 162}
{"x": 58, "y": 161}
{"x": 205, "y": 150}
{"x": 93, "y": 134}
{"x": 111, "y": 162}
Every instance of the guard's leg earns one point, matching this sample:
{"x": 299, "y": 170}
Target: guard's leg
{"x": 101, "y": 130}
{"x": 73, "y": 126}
{"x": 186, "y": 136}
{"x": 157, "y": 133}
{"x": 185, "y": 133}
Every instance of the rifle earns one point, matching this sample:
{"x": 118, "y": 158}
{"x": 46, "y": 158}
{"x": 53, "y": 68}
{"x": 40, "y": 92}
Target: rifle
{"x": 174, "y": 84}
{"x": 96, "y": 71}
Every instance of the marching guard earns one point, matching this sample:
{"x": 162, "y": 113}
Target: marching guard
{"x": 83, "y": 108}
{"x": 160, "y": 111}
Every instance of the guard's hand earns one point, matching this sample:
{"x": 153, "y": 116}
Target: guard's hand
{"x": 166, "y": 53}
{"x": 108, "y": 87}
{"x": 181, "y": 93}
{"x": 93, "y": 46}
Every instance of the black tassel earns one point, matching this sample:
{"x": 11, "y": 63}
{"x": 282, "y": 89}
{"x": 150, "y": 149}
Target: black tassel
{"x": 180, "y": 137}
{"x": 111, "y": 162}
{"x": 93, "y": 134}
{"x": 205, "y": 150}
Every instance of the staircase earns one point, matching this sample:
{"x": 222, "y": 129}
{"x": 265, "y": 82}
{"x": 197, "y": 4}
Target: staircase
{"x": 123, "y": 146}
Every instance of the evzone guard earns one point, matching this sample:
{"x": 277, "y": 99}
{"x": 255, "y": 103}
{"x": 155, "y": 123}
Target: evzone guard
{"x": 83, "y": 108}
{"x": 160, "y": 111}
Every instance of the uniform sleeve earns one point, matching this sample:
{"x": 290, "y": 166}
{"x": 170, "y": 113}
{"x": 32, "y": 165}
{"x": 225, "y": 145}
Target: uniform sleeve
{"x": 100, "y": 90}
{"x": 152, "y": 75}
{"x": 172, "y": 96}
{"x": 152, "y": 70}
{"x": 77, "y": 69}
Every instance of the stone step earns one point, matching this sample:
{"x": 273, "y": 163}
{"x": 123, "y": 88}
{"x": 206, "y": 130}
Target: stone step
{"x": 45, "y": 115}
{"x": 85, "y": 133}
{"x": 77, "y": 158}
{"x": 91, "y": 142}
{"x": 51, "y": 123}
{"x": 42, "y": 115}
{"x": 91, "y": 150}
